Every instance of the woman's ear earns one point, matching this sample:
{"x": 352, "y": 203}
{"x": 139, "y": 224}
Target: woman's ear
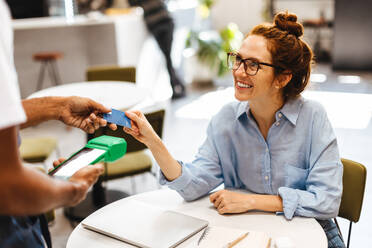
{"x": 283, "y": 79}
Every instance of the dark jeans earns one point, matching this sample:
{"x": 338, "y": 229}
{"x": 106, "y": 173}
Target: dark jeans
{"x": 20, "y": 232}
{"x": 333, "y": 236}
{"x": 164, "y": 37}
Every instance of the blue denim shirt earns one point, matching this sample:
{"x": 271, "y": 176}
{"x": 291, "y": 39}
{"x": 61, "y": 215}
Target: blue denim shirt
{"x": 299, "y": 160}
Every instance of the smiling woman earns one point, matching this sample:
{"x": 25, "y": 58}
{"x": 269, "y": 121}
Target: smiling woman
{"x": 273, "y": 142}
{"x": 288, "y": 51}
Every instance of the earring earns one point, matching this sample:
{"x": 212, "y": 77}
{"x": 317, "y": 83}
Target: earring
{"x": 276, "y": 86}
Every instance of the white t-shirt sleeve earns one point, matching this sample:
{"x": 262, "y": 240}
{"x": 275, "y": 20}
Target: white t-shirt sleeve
{"x": 11, "y": 110}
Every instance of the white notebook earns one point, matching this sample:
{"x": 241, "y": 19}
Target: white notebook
{"x": 221, "y": 237}
{"x": 144, "y": 225}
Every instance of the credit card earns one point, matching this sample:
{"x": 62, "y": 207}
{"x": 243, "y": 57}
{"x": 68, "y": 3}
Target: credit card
{"x": 117, "y": 117}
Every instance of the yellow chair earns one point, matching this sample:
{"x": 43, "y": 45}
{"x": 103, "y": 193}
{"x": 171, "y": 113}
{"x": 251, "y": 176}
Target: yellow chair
{"x": 111, "y": 73}
{"x": 37, "y": 150}
{"x": 354, "y": 181}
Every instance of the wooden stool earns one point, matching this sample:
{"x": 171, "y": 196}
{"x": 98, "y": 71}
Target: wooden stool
{"x": 48, "y": 58}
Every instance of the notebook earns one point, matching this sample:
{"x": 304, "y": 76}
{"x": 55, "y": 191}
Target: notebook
{"x": 221, "y": 237}
{"x": 143, "y": 225}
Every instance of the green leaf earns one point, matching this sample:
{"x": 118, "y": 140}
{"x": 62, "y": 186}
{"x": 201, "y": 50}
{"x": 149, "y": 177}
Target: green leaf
{"x": 212, "y": 50}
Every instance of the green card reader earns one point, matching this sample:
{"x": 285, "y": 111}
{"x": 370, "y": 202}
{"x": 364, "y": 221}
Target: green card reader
{"x": 101, "y": 149}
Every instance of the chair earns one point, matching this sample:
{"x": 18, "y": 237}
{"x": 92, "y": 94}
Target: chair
{"x": 111, "y": 73}
{"x": 48, "y": 58}
{"x": 37, "y": 150}
{"x": 134, "y": 162}
{"x": 354, "y": 181}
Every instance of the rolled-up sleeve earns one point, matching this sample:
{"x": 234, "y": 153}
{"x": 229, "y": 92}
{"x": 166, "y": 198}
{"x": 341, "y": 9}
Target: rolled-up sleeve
{"x": 322, "y": 196}
{"x": 202, "y": 175}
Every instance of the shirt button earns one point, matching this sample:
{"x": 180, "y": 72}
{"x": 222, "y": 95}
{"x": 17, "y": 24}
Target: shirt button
{"x": 277, "y": 124}
{"x": 267, "y": 149}
{"x": 266, "y": 178}
{"x": 280, "y": 115}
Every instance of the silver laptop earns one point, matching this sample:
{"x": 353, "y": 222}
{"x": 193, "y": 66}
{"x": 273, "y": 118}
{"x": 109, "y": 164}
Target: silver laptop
{"x": 143, "y": 225}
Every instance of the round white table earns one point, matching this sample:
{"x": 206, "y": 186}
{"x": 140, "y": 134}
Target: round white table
{"x": 113, "y": 94}
{"x": 304, "y": 232}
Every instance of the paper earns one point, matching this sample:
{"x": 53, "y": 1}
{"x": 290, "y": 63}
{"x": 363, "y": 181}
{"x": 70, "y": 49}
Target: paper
{"x": 220, "y": 237}
{"x": 284, "y": 242}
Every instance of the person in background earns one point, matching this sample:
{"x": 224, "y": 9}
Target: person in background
{"x": 25, "y": 193}
{"x": 161, "y": 25}
{"x": 86, "y": 6}
{"x": 273, "y": 142}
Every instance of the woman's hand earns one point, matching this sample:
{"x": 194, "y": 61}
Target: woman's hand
{"x": 231, "y": 202}
{"x": 143, "y": 132}
{"x": 141, "y": 128}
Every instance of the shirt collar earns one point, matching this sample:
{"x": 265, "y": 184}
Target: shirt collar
{"x": 243, "y": 108}
{"x": 290, "y": 110}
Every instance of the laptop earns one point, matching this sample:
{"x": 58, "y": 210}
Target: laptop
{"x": 143, "y": 225}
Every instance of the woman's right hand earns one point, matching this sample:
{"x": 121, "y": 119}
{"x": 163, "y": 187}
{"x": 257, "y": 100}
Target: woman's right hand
{"x": 143, "y": 132}
{"x": 141, "y": 129}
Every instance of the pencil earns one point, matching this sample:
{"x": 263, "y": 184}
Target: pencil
{"x": 269, "y": 243}
{"x": 231, "y": 244}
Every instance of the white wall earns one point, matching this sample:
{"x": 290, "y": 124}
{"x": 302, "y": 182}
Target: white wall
{"x": 307, "y": 9}
{"x": 248, "y": 13}
{"x": 245, "y": 13}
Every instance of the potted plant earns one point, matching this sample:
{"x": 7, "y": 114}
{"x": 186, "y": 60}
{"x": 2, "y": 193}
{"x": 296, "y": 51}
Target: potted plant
{"x": 206, "y": 49}
{"x": 206, "y": 53}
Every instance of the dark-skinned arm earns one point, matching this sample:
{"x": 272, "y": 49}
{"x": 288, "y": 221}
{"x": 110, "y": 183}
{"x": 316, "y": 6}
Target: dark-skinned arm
{"x": 26, "y": 191}
{"x": 79, "y": 112}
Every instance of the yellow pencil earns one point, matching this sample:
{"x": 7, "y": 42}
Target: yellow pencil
{"x": 269, "y": 243}
{"x": 231, "y": 244}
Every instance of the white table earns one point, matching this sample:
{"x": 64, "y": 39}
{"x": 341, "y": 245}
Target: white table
{"x": 112, "y": 94}
{"x": 304, "y": 232}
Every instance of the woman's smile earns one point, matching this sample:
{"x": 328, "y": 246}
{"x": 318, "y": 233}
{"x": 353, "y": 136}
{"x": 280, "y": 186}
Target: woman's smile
{"x": 243, "y": 85}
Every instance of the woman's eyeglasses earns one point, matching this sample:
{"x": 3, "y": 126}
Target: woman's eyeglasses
{"x": 251, "y": 66}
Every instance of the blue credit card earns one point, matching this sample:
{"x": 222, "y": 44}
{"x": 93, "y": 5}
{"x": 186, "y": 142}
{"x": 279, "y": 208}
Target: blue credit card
{"x": 117, "y": 117}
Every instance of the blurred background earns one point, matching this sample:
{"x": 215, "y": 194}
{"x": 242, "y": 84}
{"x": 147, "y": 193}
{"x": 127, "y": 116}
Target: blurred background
{"x": 93, "y": 35}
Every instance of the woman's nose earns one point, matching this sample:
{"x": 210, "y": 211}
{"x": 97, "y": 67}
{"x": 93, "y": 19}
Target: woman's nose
{"x": 240, "y": 70}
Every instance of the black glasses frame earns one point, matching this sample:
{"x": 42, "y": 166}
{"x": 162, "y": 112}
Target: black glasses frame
{"x": 244, "y": 61}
